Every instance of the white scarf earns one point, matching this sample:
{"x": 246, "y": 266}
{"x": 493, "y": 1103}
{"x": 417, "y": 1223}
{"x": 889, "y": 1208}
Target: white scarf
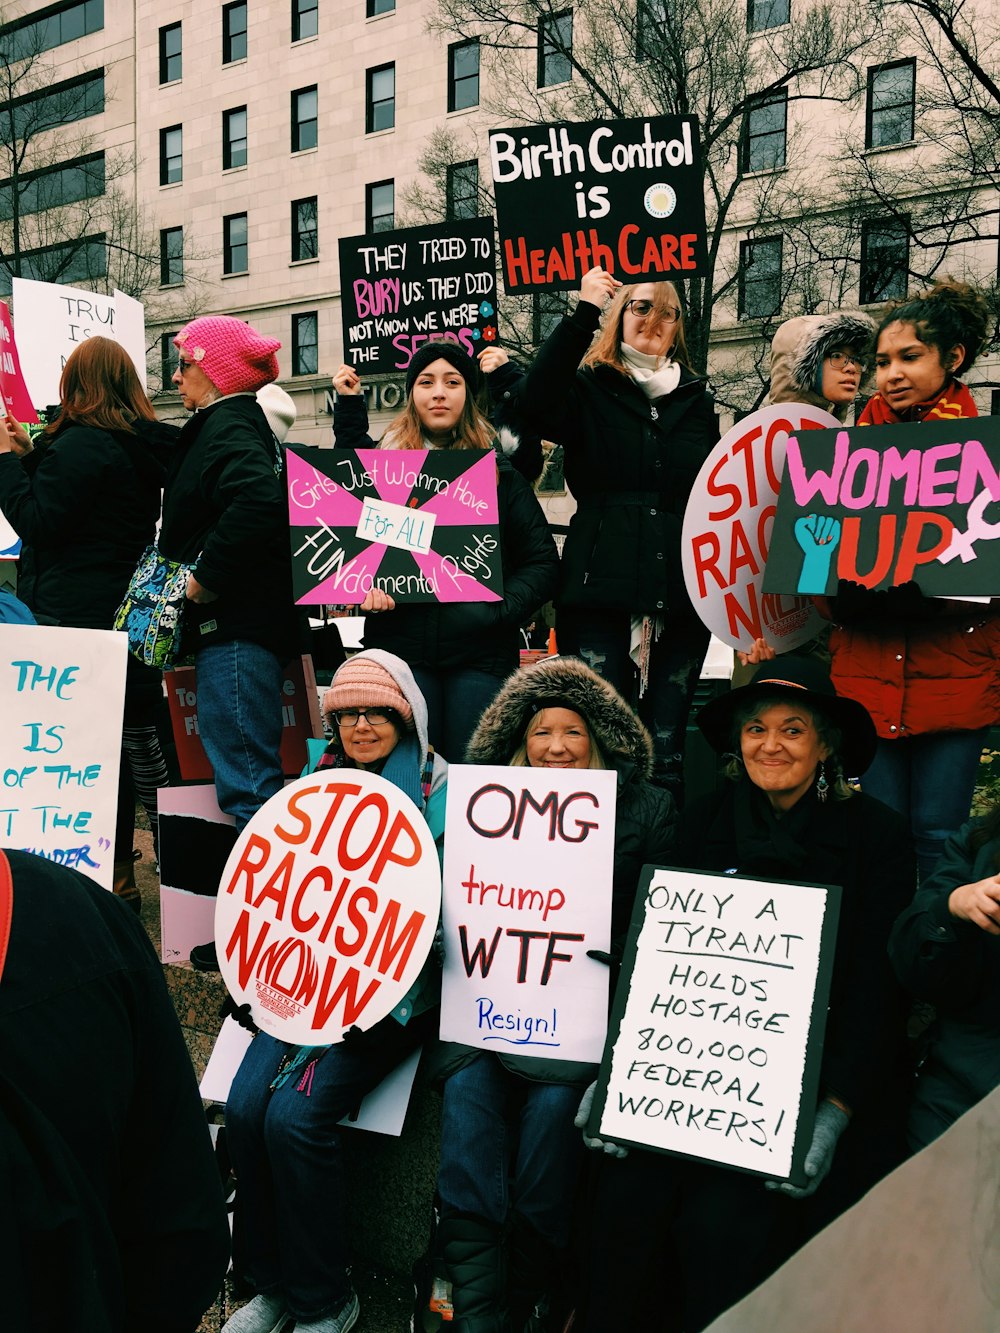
{"x": 655, "y": 375}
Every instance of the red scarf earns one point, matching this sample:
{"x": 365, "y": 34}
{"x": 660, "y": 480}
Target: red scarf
{"x": 952, "y": 402}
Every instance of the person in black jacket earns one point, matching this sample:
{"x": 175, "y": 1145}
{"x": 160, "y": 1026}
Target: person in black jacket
{"x": 459, "y": 652}
{"x": 85, "y": 502}
{"x": 636, "y": 425}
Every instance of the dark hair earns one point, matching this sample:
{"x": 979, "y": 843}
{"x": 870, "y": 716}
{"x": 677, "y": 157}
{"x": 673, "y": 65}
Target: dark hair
{"x": 828, "y": 732}
{"x": 947, "y": 315}
{"x": 99, "y": 387}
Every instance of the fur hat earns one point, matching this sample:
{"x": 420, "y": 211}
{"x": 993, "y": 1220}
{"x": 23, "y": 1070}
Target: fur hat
{"x": 234, "y": 356}
{"x": 805, "y": 681}
{"x": 279, "y": 409}
{"x": 800, "y": 346}
{"x": 364, "y": 683}
{"x": 443, "y": 350}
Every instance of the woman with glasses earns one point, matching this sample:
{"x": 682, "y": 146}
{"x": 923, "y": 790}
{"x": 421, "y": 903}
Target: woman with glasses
{"x": 822, "y": 360}
{"x": 636, "y": 424}
{"x": 291, "y": 1226}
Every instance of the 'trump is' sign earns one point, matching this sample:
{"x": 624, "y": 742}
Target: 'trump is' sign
{"x": 625, "y": 194}
{"x": 727, "y": 530}
{"x": 328, "y": 906}
{"x": 529, "y": 859}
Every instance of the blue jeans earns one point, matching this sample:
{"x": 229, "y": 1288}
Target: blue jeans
{"x": 239, "y": 722}
{"x": 929, "y": 779}
{"x": 509, "y": 1143}
{"x": 291, "y": 1226}
{"x": 456, "y": 699}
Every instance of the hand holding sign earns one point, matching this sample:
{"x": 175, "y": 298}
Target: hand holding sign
{"x": 817, "y": 536}
{"x": 597, "y": 286}
{"x": 347, "y": 381}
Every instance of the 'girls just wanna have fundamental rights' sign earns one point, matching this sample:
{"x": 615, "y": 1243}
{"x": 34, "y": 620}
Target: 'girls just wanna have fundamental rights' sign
{"x": 420, "y": 524}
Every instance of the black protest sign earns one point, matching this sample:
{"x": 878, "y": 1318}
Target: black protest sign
{"x": 627, "y": 195}
{"x": 400, "y": 289}
{"x": 884, "y": 505}
{"x": 715, "y": 1042}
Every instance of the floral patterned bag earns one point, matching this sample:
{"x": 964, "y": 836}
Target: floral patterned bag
{"x": 152, "y": 610}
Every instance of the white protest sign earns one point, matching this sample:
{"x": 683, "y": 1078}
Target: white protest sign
{"x": 717, "y": 1033}
{"x": 52, "y": 320}
{"x": 328, "y": 906}
{"x": 529, "y": 857}
{"x": 727, "y": 530}
{"x": 62, "y": 695}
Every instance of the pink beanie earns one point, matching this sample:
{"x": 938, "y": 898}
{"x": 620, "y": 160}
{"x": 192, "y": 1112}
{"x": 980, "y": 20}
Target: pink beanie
{"x": 235, "y": 357}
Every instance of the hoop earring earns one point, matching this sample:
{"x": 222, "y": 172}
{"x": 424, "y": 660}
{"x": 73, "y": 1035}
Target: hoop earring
{"x": 822, "y": 786}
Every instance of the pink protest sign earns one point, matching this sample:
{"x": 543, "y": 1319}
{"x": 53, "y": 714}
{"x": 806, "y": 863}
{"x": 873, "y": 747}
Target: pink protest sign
{"x": 422, "y": 525}
{"x": 12, "y": 386}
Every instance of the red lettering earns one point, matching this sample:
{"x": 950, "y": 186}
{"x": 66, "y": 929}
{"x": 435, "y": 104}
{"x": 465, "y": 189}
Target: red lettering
{"x": 388, "y": 853}
{"x": 247, "y": 865}
{"x": 847, "y": 560}
{"x": 910, "y": 554}
{"x": 276, "y": 886}
{"x": 239, "y": 940}
{"x": 707, "y": 562}
{"x": 341, "y": 941}
{"x": 301, "y": 815}
{"x": 326, "y": 880}
{"x": 748, "y": 618}
{"x": 394, "y": 944}
{"x": 346, "y": 991}
{"x": 623, "y": 237}
{"x": 344, "y": 857}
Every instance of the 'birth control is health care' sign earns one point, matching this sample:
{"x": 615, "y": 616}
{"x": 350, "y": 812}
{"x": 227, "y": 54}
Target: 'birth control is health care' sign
{"x": 62, "y": 694}
{"x": 529, "y": 857}
{"x": 727, "y": 530}
{"x": 328, "y": 906}
{"x": 627, "y": 195}
{"x": 403, "y": 288}
{"x": 884, "y": 505}
{"x": 715, "y": 1042}
{"x": 420, "y": 524}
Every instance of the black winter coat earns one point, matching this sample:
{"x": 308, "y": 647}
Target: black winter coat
{"x": 225, "y": 511}
{"x": 85, "y": 503}
{"x": 630, "y": 464}
{"x": 435, "y": 636}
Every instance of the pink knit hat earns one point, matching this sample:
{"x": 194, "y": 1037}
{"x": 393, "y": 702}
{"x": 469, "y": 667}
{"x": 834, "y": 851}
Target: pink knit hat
{"x": 235, "y": 357}
{"x": 364, "y": 683}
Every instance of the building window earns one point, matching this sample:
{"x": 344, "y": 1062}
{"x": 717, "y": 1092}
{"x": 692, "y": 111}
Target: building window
{"x": 891, "y": 94}
{"x": 305, "y": 19}
{"x": 305, "y": 118}
{"x": 54, "y": 187}
{"x": 376, "y": 7}
{"x": 170, "y": 53}
{"x": 235, "y": 249}
{"x": 58, "y": 104}
{"x": 555, "y": 49}
{"x": 305, "y": 344}
{"x": 54, "y": 27}
{"x": 234, "y": 32}
{"x": 764, "y": 14}
{"x": 380, "y": 99}
{"x": 766, "y": 133}
{"x": 651, "y": 23}
{"x": 885, "y": 259}
{"x": 171, "y": 155}
{"x": 83, "y": 260}
{"x": 168, "y": 358}
{"x": 547, "y": 309}
{"x": 463, "y": 75}
{"x": 305, "y": 229}
{"x": 234, "y": 138}
{"x": 760, "y": 278}
{"x": 462, "y": 191}
{"x": 171, "y": 256}
{"x": 380, "y": 206}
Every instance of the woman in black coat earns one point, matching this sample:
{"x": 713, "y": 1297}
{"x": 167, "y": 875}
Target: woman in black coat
{"x": 86, "y": 502}
{"x": 636, "y": 425}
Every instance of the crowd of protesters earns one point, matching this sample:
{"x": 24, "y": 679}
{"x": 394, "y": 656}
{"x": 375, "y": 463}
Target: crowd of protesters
{"x": 534, "y": 1234}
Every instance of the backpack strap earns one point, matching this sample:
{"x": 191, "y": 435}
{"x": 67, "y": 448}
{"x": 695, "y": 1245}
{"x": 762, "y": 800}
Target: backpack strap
{"x": 6, "y": 905}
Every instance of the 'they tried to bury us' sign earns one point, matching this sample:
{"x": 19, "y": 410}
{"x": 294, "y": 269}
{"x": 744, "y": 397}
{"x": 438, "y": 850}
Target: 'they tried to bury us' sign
{"x": 419, "y": 524}
{"x": 627, "y": 195}
{"x": 715, "y": 1042}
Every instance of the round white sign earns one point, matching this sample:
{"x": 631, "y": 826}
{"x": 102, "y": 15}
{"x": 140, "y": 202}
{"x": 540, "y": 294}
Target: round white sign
{"x": 727, "y": 528}
{"x": 328, "y": 906}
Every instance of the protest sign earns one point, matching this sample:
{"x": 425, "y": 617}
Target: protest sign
{"x": 717, "y": 1033}
{"x": 300, "y": 719}
{"x": 16, "y": 399}
{"x": 727, "y": 528}
{"x": 400, "y": 289}
{"x": 884, "y": 505}
{"x": 10, "y": 542}
{"x": 328, "y": 906}
{"x": 421, "y": 524}
{"x": 625, "y": 194}
{"x": 62, "y": 695}
{"x": 529, "y": 858}
{"x": 195, "y": 840}
{"x": 53, "y": 320}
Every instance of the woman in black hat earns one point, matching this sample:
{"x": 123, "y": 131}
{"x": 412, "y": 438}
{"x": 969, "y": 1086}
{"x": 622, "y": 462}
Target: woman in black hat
{"x": 790, "y": 744}
{"x": 459, "y": 652}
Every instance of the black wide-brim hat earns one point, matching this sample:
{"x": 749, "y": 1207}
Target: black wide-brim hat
{"x": 805, "y": 680}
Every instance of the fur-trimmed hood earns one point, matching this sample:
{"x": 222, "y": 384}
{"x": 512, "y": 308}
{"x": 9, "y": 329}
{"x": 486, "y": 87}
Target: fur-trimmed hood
{"x": 798, "y": 350}
{"x": 569, "y": 683}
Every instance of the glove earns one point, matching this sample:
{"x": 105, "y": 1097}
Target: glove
{"x": 854, "y": 603}
{"x": 831, "y": 1122}
{"x": 580, "y": 1120}
{"x": 240, "y": 1012}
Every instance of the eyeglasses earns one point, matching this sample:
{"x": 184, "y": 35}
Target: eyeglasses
{"x": 350, "y": 717}
{"x": 183, "y": 365}
{"x": 642, "y": 309}
{"x": 840, "y": 359}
